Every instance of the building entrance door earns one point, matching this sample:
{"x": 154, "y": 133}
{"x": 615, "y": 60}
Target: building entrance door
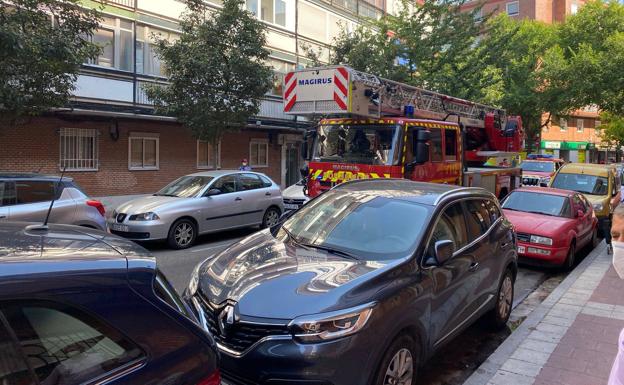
{"x": 292, "y": 164}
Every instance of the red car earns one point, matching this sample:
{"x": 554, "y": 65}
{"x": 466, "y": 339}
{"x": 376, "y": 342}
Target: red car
{"x": 551, "y": 224}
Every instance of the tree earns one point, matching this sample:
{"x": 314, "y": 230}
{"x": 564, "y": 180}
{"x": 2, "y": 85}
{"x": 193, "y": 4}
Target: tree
{"x": 589, "y": 59}
{"x": 516, "y": 49}
{"x": 216, "y": 70}
{"x": 43, "y": 43}
{"x": 612, "y": 131}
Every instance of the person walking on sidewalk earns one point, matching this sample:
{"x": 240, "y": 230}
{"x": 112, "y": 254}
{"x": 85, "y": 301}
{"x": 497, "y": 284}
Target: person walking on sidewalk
{"x": 244, "y": 165}
{"x": 617, "y": 242}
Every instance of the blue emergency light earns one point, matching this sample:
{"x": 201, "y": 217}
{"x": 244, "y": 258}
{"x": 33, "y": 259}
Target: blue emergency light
{"x": 540, "y": 156}
{"x": 408, "y": 111}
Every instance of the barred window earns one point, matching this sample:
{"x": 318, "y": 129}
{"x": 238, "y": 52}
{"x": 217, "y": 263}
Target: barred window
{"x": 258, "y": 153}
{"x": 205, "y": 154}
{"x": 78, "y": 149}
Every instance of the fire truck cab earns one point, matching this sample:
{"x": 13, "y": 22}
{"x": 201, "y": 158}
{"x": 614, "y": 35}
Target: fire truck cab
{"x": 376, "y": 128}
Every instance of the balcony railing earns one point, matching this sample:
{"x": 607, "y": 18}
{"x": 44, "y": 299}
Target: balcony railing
{"x": 124, "y": 3}
{"x": 373, "y": 8}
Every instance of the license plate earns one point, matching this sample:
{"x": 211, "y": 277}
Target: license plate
{"x": 521, "y": 249}
{"x": 119, "y": 227}
{"x": 291, "y": 206}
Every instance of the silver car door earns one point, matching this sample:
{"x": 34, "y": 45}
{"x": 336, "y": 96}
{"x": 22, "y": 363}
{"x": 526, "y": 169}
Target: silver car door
{"x": 221, "y": 211}
{"x": 33, "y": 202}
{"x": 255, "y": 198}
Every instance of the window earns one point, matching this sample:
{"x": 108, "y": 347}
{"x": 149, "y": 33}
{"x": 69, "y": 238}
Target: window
{"x": 477, "y": 217}
{"x": 34, "y": 191}
{"x": 436, "y": 144}
{"x": 450, "y": 226}
{"x": 259, "y": 153}
{"x": 147, "y": 61}
{"x": 143, "y": 153}
{"x": 450, "y": 144}
{"x": 78, "y": 149}
{"x": 250, "y": 182}
{"x": 580, "y": 125}
{"x": 513, "y": 8}
{"x": 65, "y": 346}
{"x": 367, "y": 10}
{"x": 281, "y": 68}
{"x": 271, "y": 11}
{"x": 13, "y": 367}
{"x": 225, "y": 184}
{"x": 574, "y": 8}
{"x": 266, "y": 182}
{"x": 493, "y": 210}
{"x": 478, "y": 15}
{"x": 205, "y": 154}
{"x": 7, "y": 194}
{"x": 563, "y": 124}
{"x": 116, "y": 39}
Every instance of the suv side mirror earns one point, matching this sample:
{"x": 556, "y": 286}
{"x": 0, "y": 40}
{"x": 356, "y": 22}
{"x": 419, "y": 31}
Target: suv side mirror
{"x": 420, "y": 146}
{"x": 444, "y": 251}
{"x": 212, "y": 191}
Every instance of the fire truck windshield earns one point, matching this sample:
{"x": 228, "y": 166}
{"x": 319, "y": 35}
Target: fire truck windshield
{"x": 358, "y": 143}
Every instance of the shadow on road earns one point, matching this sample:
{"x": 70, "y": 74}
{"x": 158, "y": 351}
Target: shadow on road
{"x": 204, "y": 240}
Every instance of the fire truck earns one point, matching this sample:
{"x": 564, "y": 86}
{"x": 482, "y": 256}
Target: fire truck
{"x": 370, "y": 127}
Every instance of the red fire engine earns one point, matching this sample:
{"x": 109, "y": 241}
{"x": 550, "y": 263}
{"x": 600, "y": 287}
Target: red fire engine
{"x": 376, "y": 128}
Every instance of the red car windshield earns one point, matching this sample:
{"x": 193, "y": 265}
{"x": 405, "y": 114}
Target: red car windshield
{"x": 538, "y": 203}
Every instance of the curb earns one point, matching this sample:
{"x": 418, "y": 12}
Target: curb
{"x": 488, "y": 369}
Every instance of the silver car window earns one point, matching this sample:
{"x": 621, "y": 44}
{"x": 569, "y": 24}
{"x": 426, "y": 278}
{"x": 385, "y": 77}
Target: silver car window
{"x": 7, "y": 194}
{"x": 225, "y": 184}
{"x": 34, "y": 191}
{"x": 186, "y": 186}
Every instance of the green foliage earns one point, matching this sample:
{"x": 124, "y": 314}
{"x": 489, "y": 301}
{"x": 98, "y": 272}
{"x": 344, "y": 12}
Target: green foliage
{"x": 216, "y": 70}
{"x": 40, "y": 60}
{"x": 612, "y": 129}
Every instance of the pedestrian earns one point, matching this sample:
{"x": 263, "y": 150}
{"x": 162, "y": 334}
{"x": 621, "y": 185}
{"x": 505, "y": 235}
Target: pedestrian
{"x": 617, "y": 241}
{"x": 244, "y": 165}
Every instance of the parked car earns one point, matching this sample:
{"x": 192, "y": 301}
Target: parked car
{"x": 293, "y": 196}
{"x": 551, "y": 224}
{"x": 597, "y": 182}
{"x": 26, "y": 197}
{"x": 539, "y": 170}
{"x": 79, "y": 306}
{"x": 374, "y": 274}
{"x": 200, "y": 203}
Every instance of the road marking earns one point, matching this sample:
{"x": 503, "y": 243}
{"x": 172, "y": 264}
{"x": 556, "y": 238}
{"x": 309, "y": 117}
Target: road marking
{"x": 222, "y": 244}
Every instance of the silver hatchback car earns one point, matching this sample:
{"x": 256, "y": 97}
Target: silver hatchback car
{"x": 26, "y": 197}
{"x": 200, "y": 203}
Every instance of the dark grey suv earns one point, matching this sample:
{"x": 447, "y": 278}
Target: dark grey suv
{"x": 360, "y": 286}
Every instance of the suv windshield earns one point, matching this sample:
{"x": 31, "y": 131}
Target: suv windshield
{"x": 366, "y": 144}
{"x": 538, "y": 166}
{"x": 538, "y": 203}
{"x": 187, "y": 186}
{"x": 363, "y": 225}
{"x": 583, "y": 183}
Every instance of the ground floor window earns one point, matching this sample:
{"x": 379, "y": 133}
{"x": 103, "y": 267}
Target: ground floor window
{"x": 143, "y": 153}
{"x": 205, "y": 154}
{"x": 78, "y": 149}
{"x": 259, "y": 153}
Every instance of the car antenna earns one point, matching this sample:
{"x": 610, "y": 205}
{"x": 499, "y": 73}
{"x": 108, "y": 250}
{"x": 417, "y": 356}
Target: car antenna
{"x": 44, "y": 226}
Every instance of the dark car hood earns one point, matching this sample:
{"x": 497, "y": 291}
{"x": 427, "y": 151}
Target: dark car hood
{"x": 270, "y": 278}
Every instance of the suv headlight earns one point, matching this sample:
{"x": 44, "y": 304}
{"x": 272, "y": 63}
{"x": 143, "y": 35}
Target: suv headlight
{"x": 541, "y": 240}
{"x": 328, "y": 326}
{"x": 598, "y": 206}
{"x": 144, "y": 217}
{"x": 544, "y": 180}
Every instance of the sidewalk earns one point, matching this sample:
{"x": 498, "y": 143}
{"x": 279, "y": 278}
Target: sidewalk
{"x": 571, "y": 338}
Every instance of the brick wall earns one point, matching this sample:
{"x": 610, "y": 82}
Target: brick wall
{"x": 34, "y": 146}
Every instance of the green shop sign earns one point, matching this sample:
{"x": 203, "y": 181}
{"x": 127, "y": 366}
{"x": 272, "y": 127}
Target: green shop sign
{"x": 557, "y": 145}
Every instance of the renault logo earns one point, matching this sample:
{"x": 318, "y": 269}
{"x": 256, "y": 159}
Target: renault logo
{"x": 226, "y": 319}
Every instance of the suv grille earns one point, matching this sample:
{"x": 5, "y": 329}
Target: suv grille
{"x": 239, "y": 336}
{"x": 523, "y": 237}
{"x": 298, "y": 202}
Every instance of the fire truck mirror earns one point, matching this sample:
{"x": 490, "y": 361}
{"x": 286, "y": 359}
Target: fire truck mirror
{"x": 420, "y": 146}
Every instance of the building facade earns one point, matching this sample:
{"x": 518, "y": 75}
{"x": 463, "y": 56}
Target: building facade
{"x": 111, "y": 142}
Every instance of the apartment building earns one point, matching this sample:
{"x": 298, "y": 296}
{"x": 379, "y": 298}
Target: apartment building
{"x": 109, "y": 138}
{"x": 576, "y": 137}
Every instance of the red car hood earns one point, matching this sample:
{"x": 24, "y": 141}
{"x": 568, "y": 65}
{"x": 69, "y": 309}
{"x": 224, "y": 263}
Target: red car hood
{"x": 537, "y": 224}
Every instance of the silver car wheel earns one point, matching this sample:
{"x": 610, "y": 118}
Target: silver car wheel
{"x": 401, "y": 369}
{"x": 505, "y": 297}
{"x": 272, "y": 218}
{"x": 183, "y": 234}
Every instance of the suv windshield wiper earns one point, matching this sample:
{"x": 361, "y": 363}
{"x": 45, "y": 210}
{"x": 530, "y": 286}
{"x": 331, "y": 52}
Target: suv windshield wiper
{"x": 542, "y": 213}
{"x": 331, "y": 250}
{"x": 290, "y": 235}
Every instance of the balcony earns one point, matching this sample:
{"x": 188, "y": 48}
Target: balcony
{"x": 123, "y": 3}
{"x": 373, "y": 8}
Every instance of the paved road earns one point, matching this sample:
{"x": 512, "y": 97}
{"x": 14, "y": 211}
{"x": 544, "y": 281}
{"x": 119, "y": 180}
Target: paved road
{"x": 178, "y": 264}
